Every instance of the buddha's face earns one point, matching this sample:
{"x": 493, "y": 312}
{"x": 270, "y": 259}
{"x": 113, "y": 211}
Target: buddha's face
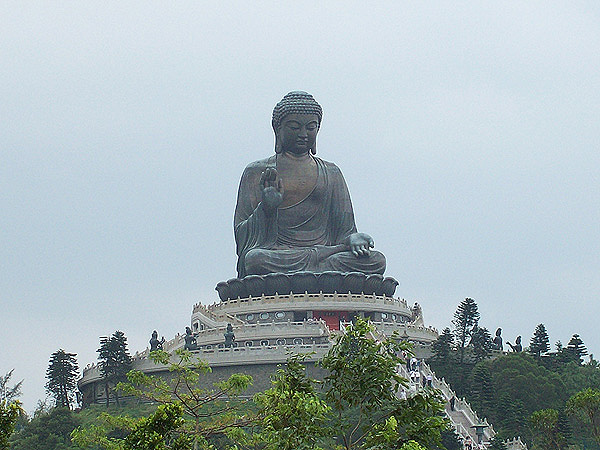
{"x": 298, "y": 133}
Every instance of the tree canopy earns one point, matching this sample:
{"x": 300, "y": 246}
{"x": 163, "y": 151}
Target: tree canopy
{"x": 62, "y": 376}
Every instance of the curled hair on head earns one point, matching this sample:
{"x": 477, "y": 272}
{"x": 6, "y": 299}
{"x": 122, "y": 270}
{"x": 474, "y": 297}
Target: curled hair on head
{"x": 295, "y": 102}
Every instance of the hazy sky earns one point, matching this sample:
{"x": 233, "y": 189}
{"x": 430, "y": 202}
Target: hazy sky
{"x": 468, "y": 134}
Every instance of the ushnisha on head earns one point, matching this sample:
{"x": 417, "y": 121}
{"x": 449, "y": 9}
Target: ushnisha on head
{"x": 295, "y": 102}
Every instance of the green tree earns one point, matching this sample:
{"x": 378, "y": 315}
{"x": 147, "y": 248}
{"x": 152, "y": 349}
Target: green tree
{"x": 482, "y": 390}
{"x": 481, "y": 341}
{"x": 361, "y": 389}
{"x": 563, "y": 426}
{"x": 159, "y": 431}
{"x": 62, "y": 376}
{"x": 540, "y": 343}
{"x": 115, "y": 362}
{"x": 9, "y": 413}
{"x": 544, "y": 428}
{"x": 451, "y": 440}
{"x": 205, "y": 413}
{"x": 466, "y": 319}
{"x": 585, "y": 407}
{"x": 509, "y": 414}
{"x": 48, "y": 430}
{"x": 442, "y": 346}
{"x": 9, "y": 393}
{"x": 576, "y": 349}
{"x": 292, "y": 415}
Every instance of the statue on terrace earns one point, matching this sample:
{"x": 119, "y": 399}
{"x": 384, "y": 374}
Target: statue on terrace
{"x": 293, "y": 210}
{"x": 518, "y": 347}
{"x": 156, "y": 344}
{"x": 190, "y": 340}
{"x": 497, "y": 342}
{"x": 229, "y": 336}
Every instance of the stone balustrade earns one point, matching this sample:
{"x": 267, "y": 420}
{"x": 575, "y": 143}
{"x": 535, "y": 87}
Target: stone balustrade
{"x": 238, "y": 356}
{"x": 265, "y": 330}
{"x": 291, "y": 301}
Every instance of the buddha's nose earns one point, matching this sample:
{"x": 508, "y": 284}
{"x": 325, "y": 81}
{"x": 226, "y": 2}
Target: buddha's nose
{"x": 303, "y": 132}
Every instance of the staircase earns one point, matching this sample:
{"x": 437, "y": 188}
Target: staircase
{"x": 462, "y": 418}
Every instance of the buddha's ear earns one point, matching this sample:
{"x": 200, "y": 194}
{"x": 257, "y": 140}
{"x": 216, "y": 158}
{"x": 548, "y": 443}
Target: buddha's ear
{"x": 278, "y": 149}
{"x": 313, "y": 150}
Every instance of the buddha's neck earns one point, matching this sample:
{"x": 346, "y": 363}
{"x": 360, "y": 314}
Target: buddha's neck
{"x": 304, "y": 157}
{"x": 289, "y": 162}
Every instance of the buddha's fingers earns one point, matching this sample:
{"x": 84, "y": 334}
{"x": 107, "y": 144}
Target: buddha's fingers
{"x": 262, "y": 180}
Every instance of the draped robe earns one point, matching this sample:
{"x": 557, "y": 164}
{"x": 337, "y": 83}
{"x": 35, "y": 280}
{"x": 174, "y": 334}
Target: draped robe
{"x": 298, "y": 237}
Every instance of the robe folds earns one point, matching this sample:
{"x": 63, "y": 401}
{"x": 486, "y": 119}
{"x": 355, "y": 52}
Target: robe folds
{"x": 298, "y": 237}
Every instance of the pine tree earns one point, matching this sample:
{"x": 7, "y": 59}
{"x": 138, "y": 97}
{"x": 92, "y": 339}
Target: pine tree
{"x": 465, "y": 321}
{"x": 482, "y": 389}
{"x": 62, "y": 377}
{"x": 115, "y": 361}
{"x": 442, "y": 346}
{"x": 7, "y": 393}
{"x": 563, "y": 426}
{"x": 576, "y": 349}
{"x": 540, "y": 343}
{"x": 481, "y": 341}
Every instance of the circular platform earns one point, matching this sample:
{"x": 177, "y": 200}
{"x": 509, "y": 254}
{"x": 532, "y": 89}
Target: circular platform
{"x": 306, "y": 282}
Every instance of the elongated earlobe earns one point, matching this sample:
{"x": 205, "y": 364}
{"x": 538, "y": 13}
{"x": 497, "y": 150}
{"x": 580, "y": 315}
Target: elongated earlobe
{"x": 277, "y": 145}
{"x": 313, "y": 150}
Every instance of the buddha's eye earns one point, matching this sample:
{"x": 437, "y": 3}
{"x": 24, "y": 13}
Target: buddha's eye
{"x": 311, "y": 126}
{"x": 293, "y": 125}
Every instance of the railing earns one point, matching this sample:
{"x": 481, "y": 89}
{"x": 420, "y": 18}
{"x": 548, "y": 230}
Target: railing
{"x": 336, "y": 297}
{"x": 515, "y": 444}
{"x": 225, "y": 356}
{"x": 428, "y": 332}
{"x": 464, "y": 407}
{"x": 461, "y": 404}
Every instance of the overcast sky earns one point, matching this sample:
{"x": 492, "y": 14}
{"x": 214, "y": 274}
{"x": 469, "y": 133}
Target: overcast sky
{"x": 468, "y": 134}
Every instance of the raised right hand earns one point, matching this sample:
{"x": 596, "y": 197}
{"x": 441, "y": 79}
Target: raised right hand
{"x": 272, "y": 190}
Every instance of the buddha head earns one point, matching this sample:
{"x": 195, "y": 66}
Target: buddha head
{"x": 296, "y": 121}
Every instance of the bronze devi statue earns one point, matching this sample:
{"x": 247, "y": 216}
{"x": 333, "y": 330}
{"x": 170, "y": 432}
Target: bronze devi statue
{"x": 293, "y": 210}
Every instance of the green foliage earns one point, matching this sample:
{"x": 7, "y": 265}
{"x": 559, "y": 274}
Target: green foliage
{"x": 62, "y": 376}
{"x": 48, "y": 430}
{"x": 577, "y": 378}
{"x": 159, "y": 431}
{"x": 442, "y": 346}
{"x": 482, "y": 390}
{"x": 481, "y": 342}
{"x": 585, "y": 407}
{"x": 412, "y": 445}
{"x": 511, "y": 388}
{"x": 188, "y": 414}
{"x": 520, "y": 377}
{"x": 115, "y": 361}
{"x": 496, "y": 443}
{"x": 9, "y": 413}
{"x": 420, "y": 418}
{"x": 575, "y": 349}
{"x": 7, "y": 393}
{"x": 361, "y": 390}
{"x": 466, "y": 319}
{"x": 293, "y": 415}
{"x": 521, "y": 384}
{"x": 509, "y": 415}
{"x": 540, "y": 343}
{"x": 451, "y": 440}
{"x": 544, "y": 428}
